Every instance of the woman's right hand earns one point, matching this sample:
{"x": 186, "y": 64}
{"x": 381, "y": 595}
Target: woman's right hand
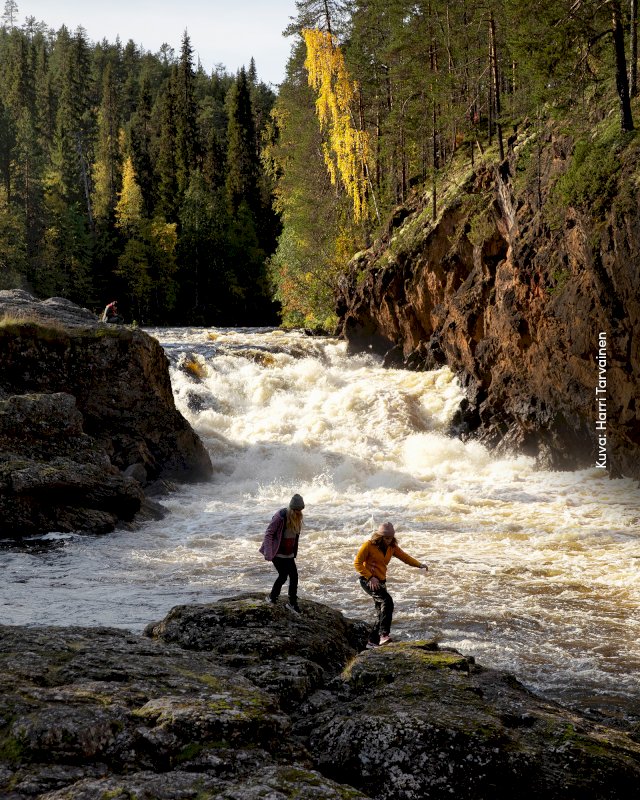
{"x": 374, "y": 583}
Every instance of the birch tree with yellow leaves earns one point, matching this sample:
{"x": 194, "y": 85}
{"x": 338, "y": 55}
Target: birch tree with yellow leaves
{"x": 148, "y": 261}
{"x": 346, "y": 148}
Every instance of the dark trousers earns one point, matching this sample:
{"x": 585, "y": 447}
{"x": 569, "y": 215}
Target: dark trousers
{"x": 286, "y": 569}
{"x": 384, "y": 609}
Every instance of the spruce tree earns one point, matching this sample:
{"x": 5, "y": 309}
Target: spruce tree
{"x": 165, "y": 159}
{"x": 106, "y": 169}
{"x": 243, "y": 163}
{"x": 186, "y": 130}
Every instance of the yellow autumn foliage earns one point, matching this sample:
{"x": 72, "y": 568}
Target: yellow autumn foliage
{"x": 129, "y": 209}
{"x": 347, "y": 148}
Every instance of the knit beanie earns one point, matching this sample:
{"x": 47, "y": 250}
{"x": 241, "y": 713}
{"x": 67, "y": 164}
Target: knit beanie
{"x": 387, "y": 529}
{"x": 296, "y": 503}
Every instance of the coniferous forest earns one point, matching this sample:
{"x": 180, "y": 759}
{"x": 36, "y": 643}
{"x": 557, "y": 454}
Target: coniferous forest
{"x": 200, "y": 198}
{"x": 131, "y": 175}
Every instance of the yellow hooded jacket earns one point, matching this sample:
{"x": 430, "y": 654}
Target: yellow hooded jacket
{"x": 371, "y": 561}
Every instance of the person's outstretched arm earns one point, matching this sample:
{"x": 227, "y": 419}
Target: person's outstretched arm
{"x": 410, "y": 560}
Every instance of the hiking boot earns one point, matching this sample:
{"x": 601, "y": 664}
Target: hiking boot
{"x": 271, "y": 600}
{"x": 372, "y": 645}
{"x": 293, "y": 606}
{"x": 385, "y": 638}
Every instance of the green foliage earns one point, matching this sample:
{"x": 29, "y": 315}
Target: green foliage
{"x": 216, "y": 173}
{"x": 480, "y": 229}
{"x": 317, "y": 240}
{"x": 560, "y": 279}
{"x": 591, "y": 179}
{"x": 13, "y": 250}
{"x": 100, "y": 145}
{"x": 433, "y": 83}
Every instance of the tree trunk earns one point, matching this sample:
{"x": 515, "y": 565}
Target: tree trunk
{"x": 434, "y": 208}
{"x": 328, "y": 18}
{"x": 496, "y": 81}
{"x": 85, "y": 178}
{"x": 633, "y": 55}
{"x": 622, "y": 83}
{"x": 490, "y": 114}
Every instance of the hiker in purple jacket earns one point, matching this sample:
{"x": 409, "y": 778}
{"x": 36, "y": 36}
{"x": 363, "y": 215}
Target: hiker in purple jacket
{"x": 280, "y": 546}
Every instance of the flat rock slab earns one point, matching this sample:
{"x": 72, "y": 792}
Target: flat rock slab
{"x": 95, "y": 712}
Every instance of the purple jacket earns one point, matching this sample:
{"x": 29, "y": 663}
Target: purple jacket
{"x": 273, "y": 536}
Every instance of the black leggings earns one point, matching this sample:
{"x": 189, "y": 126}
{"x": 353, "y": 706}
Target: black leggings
{"x": 286, "y": 569}
{"x": 384, "y": 608}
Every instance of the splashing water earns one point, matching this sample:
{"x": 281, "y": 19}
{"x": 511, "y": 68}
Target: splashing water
{"x": 534, "y": 572}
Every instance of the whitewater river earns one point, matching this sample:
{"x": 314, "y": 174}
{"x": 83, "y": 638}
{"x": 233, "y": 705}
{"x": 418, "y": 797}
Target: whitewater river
{"x": 534, "y": 572}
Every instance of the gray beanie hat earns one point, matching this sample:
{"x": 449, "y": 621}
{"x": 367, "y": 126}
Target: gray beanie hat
{"x": 296, "y": 503}
{"x": 387, "y": 529}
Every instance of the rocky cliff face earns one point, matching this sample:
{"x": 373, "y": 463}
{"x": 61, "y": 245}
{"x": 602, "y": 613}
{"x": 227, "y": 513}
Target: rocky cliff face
{"x": 87, "y": 420}
{"x": 532, "y": 301}
{"x": 241, "y": 699}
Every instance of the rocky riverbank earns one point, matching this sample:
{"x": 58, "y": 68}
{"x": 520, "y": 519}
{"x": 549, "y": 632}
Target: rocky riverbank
{"x": 240, "y": 700}
{"x": 527, "y": 286}
{"x": 88, "y": 425}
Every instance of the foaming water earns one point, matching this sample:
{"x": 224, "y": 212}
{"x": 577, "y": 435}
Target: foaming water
{"x": 534, "y": 572}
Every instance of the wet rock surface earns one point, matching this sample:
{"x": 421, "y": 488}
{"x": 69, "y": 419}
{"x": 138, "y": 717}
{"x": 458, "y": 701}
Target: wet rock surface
{"x": 241, "y": 699}
{"x": 87, "y": 420}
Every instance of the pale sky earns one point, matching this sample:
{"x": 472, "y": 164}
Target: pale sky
{"x": 221, "y": 31}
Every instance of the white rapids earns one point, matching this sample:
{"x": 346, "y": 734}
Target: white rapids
{"x": 534, "y": 572}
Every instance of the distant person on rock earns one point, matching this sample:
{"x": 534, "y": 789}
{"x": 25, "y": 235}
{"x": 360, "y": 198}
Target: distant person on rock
{"x": 110, "y": 314}
{"x": 280, "y": 546}
{"x": 371, "y": 562}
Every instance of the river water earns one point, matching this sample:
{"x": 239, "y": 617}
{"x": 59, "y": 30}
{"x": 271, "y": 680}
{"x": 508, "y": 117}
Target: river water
{"x": 534, "y": 572}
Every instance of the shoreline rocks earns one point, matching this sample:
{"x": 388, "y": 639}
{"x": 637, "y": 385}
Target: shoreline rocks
{"x": 240, "y": 699}
{"x": 88, "y": 422}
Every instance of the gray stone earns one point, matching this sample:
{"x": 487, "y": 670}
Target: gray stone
{"x": 248, "y": 703}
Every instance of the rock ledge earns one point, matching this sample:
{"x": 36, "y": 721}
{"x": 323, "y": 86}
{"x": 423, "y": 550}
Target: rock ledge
{"x": 240, "y": 700}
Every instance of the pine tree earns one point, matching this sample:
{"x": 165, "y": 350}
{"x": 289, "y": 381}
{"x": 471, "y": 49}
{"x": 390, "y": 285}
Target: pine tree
{"x": 165, "y": 159}
{"x": 318, "y": 236}
{"x": 10, "y": 14}
{"x": 140, "y": 138}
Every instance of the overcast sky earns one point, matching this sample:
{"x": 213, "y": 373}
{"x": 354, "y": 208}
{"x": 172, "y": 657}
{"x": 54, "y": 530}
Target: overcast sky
{"x": 229, "y": 32}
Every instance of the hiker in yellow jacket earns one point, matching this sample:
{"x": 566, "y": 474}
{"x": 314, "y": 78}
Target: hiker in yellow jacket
{"x": 371, "y": 562}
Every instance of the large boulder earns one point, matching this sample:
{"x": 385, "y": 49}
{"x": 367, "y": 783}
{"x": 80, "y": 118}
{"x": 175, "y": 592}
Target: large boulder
{"x": 87, "y": 419}
{"x": 288, "y": 654}
{"x": 94, "y": 712}
{"x": 419, "y": 722}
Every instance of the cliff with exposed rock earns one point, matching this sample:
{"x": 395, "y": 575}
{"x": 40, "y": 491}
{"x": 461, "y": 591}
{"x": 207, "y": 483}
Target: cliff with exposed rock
{"x": 88, "y": 423}
{"x": 527, "y": 286}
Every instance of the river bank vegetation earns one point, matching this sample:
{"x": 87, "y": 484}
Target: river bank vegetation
{"x": 202, "y": 198}
{"x": 435, "y": 87}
